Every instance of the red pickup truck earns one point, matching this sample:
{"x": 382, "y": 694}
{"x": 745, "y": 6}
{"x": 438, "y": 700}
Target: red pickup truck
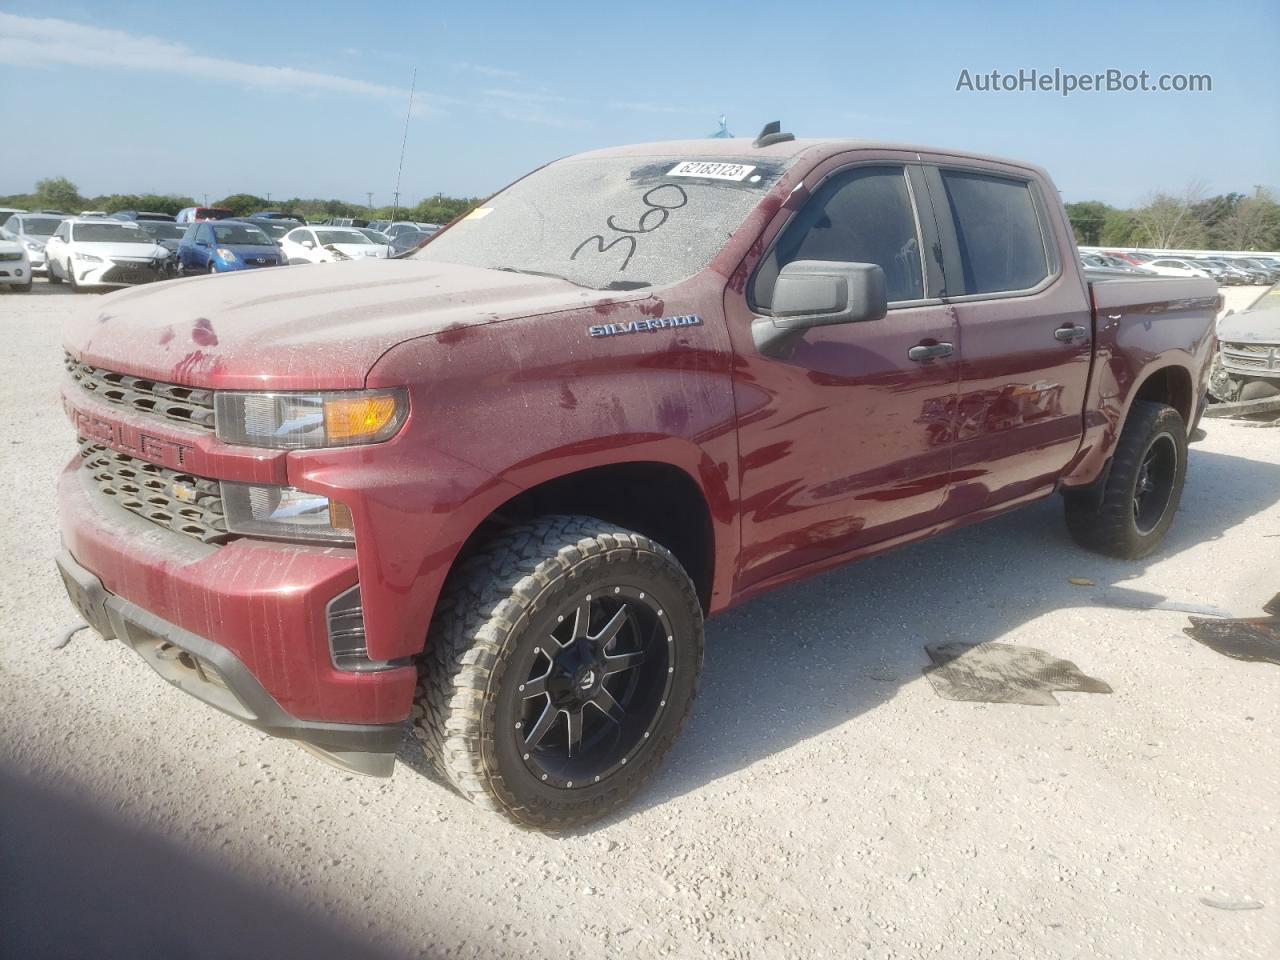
{"x": 488, "y": 491}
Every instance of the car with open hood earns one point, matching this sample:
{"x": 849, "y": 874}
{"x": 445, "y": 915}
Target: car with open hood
{"x": 1248, "y": 366}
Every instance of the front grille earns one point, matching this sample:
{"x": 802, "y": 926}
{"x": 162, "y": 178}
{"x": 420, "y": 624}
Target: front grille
{"x": 124, "y": 272}
{"x": 182, "y": 502}
{"x": 1258, "y": 355}
{"x": 170, "y": 401}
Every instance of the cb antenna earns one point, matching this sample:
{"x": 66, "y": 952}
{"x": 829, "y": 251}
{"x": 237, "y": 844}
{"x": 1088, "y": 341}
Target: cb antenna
{"x": 395, "y": 203}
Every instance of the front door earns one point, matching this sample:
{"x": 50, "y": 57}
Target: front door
{"x": 845, "y": 440}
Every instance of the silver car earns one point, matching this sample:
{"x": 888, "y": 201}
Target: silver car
{"x": 33, "y": 231}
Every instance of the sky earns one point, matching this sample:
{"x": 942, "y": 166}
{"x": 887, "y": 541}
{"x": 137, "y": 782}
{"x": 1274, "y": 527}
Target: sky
{"x": 310, "y": 99}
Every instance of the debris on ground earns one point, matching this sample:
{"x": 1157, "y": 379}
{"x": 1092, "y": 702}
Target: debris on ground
{"x": 1081, "y": 582}
{"x": 1231, "y": 904}
{"x": 1005, "y": 673}
{"x": 69, "y": 631}
{"x": 1255, "y": 639}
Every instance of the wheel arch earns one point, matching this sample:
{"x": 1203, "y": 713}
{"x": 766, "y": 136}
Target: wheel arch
{"x": 656, "y": 498}
{"x": 1171, "y": 385}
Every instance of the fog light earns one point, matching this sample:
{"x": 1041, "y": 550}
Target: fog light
{"x": 270, "y": 511}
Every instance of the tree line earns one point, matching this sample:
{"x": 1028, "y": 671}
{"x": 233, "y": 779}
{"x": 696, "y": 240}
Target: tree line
{"x": 1188, "y": 220}
{"x": 59, "y": 193}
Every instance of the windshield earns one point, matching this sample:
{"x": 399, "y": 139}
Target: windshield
{"x": 611, "y": 222}
{"x": 241, "y": 233}
{"x": 342, "y": 236}
{"x": 109, "y": 233}
{"x": 376, "y": 236}
{"x": 162, "y": 230}
{"x": 40, "y": 226}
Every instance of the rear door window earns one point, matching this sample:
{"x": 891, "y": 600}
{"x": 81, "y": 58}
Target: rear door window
{"x": 860, "y": 215}
{"x": 1002, "y": 247}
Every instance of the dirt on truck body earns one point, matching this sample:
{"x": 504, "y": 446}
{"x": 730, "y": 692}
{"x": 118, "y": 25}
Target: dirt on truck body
{"x": 491, "y": 489}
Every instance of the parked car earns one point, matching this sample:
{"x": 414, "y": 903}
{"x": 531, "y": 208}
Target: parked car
{"x": 379, "y": 225}
{"x": 90, "y": 214}
{"x": 329, "y": 244}
{"x": 7, "y": 212}
{"x": 169, "y": 236}
{"x": 136, "y": 215}
{"x": 1270, "y": 273}
{"x": 1248, "y": 365}
{"x": 34, "y": 230}
{"x": 196, "y": 214}
{"x": 1255, "y": 272}
{"x": 270, "y": 215}
{"x": 377, "y": 237}
{"x": 104, "y": 253}
{"x": 1171, "y": 267}
{"x": 1224, "y": 272}
{"x": 222, "y": 246}
{"x": 15, "y": 263}
{"x": 275, "y": 229}
{"x": 490, "y": 490}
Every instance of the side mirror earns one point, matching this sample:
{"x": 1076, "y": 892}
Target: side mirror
{"x": 819, "y": 293}
{"x": 308, "y": 244}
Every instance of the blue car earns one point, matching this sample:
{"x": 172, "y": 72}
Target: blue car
{"x": 220, "y": 246}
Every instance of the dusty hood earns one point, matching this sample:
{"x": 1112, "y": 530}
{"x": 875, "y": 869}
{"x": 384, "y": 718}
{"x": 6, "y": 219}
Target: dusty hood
{"x": 1251, "y": 326}
{"x": 300, "y": 327}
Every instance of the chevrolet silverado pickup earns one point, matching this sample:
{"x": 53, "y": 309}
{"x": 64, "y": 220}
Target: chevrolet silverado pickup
{"x": 488, "y": 491}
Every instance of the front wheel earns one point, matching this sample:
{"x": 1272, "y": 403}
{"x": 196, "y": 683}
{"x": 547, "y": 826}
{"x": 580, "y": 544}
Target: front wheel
{"x": 560, "y": 668}
{"x": 1131, "y": 514}
{"x": 51, "y": 273}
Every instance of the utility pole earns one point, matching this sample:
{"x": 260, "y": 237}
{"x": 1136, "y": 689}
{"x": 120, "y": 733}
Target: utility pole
{"x": 369, "y": 194}
{"x": 395, "y": 202}
{"x": 268, "y": 198}
{"x": 206, "y": 199}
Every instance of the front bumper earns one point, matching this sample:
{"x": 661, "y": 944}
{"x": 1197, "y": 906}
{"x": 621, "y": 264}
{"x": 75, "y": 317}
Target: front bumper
{"x": 213, "y": 674}
{"x": 118, "y": 273}
{"x": 254, "y": 610}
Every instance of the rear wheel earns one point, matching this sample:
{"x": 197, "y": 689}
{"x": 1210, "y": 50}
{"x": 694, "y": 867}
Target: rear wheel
{"x": 559, "y": 671}
{"x": 1131, "y": 514}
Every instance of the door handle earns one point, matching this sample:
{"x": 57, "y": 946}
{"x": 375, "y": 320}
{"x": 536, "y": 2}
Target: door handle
{"x": 1069, "y": 333}
{"x": 924, "y": 352}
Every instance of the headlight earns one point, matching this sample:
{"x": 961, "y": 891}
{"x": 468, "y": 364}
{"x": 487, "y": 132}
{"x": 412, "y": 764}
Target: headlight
{"x": 10, "y": 256}
{"x": 86, "y": 258}
{"x": 294, "y": 420}
{"x": 225, "y": 254}
{"x": 266, "y": 511}
{"x": 34, "y": 247}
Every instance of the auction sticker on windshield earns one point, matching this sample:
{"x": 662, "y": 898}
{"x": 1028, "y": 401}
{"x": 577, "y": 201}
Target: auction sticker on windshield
{"x": 710, "y": 170}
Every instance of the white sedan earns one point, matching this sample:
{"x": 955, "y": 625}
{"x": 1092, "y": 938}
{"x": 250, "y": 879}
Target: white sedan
{"x": 15, "y": 264}
{"x": 1171, "y": 267}
{"x": 329, "y": 245}
{"x": 104, "y": 253}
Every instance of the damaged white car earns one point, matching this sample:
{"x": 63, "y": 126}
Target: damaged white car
{"x": 1246, "y": 376}
{"x": 104, "y": 253}
{"x": 329, "y": 245}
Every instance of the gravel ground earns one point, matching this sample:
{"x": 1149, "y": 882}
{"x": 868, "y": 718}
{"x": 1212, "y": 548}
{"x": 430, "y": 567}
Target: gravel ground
{"x": 824, "y": 801}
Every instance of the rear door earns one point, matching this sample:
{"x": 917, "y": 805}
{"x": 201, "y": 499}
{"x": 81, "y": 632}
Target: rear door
{"x": 1025, "y": 332}
{"x": 845, "y": 440}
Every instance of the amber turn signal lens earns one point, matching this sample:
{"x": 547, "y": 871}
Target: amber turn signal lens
{"x": 351, "y": 418}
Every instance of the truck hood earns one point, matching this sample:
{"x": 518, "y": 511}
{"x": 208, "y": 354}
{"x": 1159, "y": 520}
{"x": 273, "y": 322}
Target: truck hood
{"x": 314, "y": 326}
{"x": 1251, "y": 326}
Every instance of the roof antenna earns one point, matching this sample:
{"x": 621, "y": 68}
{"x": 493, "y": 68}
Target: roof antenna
{"x": 771, "y": 134}
{"x": 395, "y": 203}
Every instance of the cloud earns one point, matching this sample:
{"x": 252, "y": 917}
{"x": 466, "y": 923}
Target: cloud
{"x": 655, "y": 108}
{"x": 497, "y": 73}
{"x": 524, "y": 96}
{"x": 40, "y": 40}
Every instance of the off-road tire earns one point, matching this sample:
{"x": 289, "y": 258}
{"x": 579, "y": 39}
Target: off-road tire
{"x": 1103, "y": 520}
{"x": 495, "y": 604}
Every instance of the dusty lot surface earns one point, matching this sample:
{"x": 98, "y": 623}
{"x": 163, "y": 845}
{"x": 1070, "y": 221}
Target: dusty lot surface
{"x": 824, "y": 801}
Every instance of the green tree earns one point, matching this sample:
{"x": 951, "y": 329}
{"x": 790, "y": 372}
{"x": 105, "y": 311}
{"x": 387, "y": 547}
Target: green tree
{"x": 1120, "y": 229}
{"x": 1087, "y": 218}
{"x": 58, "y": 193}
{"x": 242, "y": 204}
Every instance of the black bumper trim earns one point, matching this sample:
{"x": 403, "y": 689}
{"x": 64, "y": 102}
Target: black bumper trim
{"x": 230, "y": 686}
